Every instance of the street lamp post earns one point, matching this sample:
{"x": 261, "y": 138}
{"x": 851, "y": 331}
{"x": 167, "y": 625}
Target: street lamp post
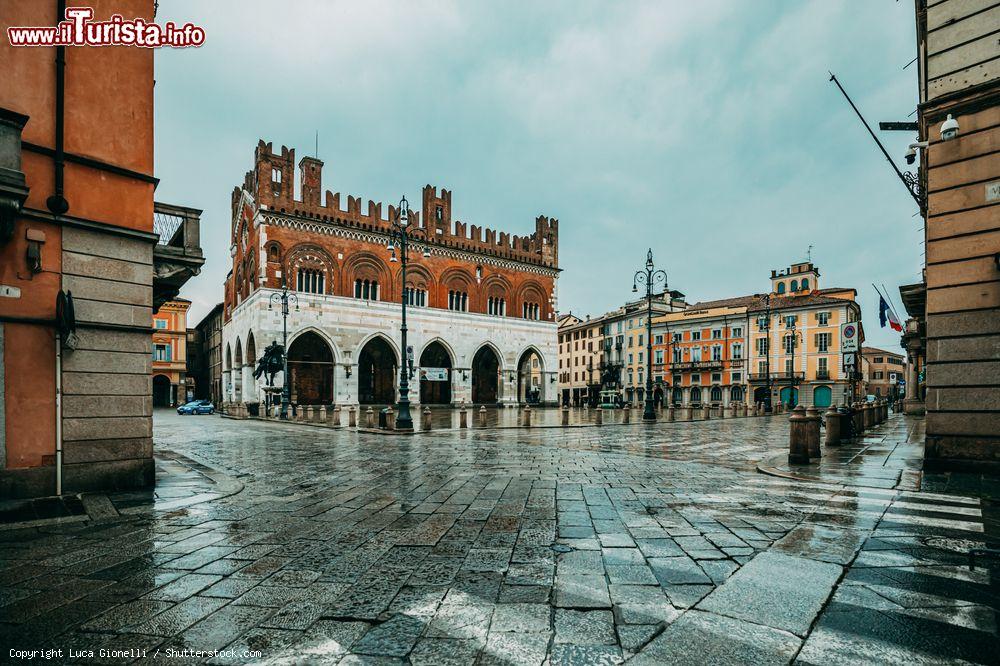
{"x": 402, "y": 234}
{"x": 649, "y": 277}
{"x": 284, "y": 297}
{"x": 794, "y": 334}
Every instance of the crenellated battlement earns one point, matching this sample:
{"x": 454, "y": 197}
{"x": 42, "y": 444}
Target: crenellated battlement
{"x": 271, "y": 182}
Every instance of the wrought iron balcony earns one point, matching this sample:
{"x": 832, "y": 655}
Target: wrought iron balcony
{"x": 177, "y": 256}
{"x": 697, "y": 365}
{"x": 778, "y": 377}
{"x": 822, "y": 374}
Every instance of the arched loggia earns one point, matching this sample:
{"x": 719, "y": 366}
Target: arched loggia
{"x": 435, "y": 375}
{"x": 377, "y": 367}
{"x": 485, "y": 376}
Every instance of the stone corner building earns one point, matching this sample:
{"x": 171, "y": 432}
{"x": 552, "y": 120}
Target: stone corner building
{"x": 956, "y": 310}
{"x": 480, "y": 314}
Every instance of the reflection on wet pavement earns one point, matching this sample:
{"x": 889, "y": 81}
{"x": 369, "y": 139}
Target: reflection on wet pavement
{"x": 579, "y": 545}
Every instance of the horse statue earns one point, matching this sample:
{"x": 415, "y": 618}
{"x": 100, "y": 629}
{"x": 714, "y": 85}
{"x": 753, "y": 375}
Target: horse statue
{"x": 271, "y": 363}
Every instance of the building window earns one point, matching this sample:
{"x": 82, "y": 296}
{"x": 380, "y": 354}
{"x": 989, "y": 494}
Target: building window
{"x": 788, "y": 343}
{"x": 439, "y": 213}
{"x": 162, "y": 352}
{"x": 677, "y": 355}
{"x": 695, "y": 354}
{"x": 416, "y": 297}
{"x": 823, "y": 318}
{"x": 678, "y": 337}
{"x": 717, "y": 353}
{"x": 458, "y": 301}
{"x": 160, "y": 323}
{"x": 805, "y": 284}
{"x": 790, "y": 321}
{"x": 658, "y": 356}
{"x": 821, "y": 366}
{"x": 311, "y": 281}
{"x": 366, "y": 290}
{"x": 788, "y": 365}
{"x": 716, "y": 377}
{"x": 630, "y": 359}
{"x": 737, "y": 351}
{"x": 736, "y": 377}
{"x": 781, "y": 287}
{"x": 822, "y": 342}
{"x": 659, "y": 339}
{"x": 878, "y": 374}
{"x": 696, "y": 379}
{"x": 762, "y": 367}
{"x": 677, "y": 380}
{"x": 762, "y": 346}
{"x": 496, "y": 306}
{"x": 531, "y": 311}
{"x": 696, "y": 335}
{"x": 737, "y": 331}
{"x": 641, "y": 339}
{"x": 877, "y": 359}
{"x": 716, "y": 333}
{"x": 795, "y": 285}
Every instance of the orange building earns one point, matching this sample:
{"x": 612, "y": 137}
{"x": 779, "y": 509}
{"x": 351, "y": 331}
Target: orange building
{"x": 77, "y": 259}
{"x": 701, "y": 353}
{"x": 170, "y": 382}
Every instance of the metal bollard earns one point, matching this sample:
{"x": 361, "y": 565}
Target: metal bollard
{"x": 670, "y": 414}
{"x": 599, "y": 416}
{"x": 832, "y": 417}
{"x": 352, "y": 417}
{"x": 565, "y": 415}
{"x": 526, "y": 416}
{"x": 427, "y": 418}
{"x": 370, "y": 418}
{"x": 815, "y": 418}
{"x": 798, "y": 436}
{"x": 482, "y": 416}
{"x": 390, "y": 419}
{"x": 463, "y": 416}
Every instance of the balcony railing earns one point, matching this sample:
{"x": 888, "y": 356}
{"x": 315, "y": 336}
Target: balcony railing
{"x": 778, "y": 377}
{"x": 697, "y": 365}
{"x": 822, "y": 374}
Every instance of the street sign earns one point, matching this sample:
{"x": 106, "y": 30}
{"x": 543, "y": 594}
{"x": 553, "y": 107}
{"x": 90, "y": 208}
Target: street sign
{"x": 849, "y": 335}
{"x": 850, "y": 360}
{"x": 434, "y": 374}
{"x": 892, "y": 377}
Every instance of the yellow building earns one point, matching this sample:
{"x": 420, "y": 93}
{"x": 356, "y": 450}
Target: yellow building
{"x": 795, "y": 340}
{"x": 170, "y": 383}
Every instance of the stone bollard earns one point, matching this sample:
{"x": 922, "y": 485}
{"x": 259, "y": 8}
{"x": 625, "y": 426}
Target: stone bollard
{"x": 706, "y": 412}
{"x": 307, "y": 414}
{"x": 390, "y": 418}
{"x": 321, "y": 414}
{"x": 463, "y": 417}
{"x": 815, "y": 418}
{"x": 832, "y": 417}
{"x": 868, "y": 415}
{"x": 352, "y": 417}
{"x": 370, "y": 418}
{"x": 798, "y": 436}
{"x": 565, "y": 415}
{"x": 427, "y": 419}
{"x": 526, "y": 416}
{"x": 626, "y": 415}
{"x": 670, "y": 414}
{"x": 884, "y": 411}
{"x": 336, "y": 415}
{"x": 482, "y": 416}
{"x": 859, "y": 418}
{"x": 599, "y": 416}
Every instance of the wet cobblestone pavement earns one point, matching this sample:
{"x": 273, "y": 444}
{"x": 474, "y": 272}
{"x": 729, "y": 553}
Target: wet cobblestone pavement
{"x": 287, "y": 544}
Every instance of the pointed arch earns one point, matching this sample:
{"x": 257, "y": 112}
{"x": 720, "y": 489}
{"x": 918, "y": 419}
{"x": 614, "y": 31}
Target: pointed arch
{"x": 487, "y": 373}
{"x": 310, "y": 268}
{"x": 321, "y": 333}
{"x": 310, "y": 367}
{"x": 530, "y": 375}
{"x": 366, "y": 266}
{"x": 377, "y": 334}
{"x": 251, "y": 349}
{"x": 239, "y": 353}
{"x": 444, "y": 343}
{"x": 435, "y": 357}
{"x": 229, "y": 357}
{"x": 532, "y": 302}
{"x": 377, "y": 368}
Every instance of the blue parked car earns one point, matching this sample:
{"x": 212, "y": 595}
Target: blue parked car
{"x": 197, "y": 407}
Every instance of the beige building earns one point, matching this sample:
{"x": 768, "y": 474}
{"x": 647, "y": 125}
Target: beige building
{"x": 958, "y": 120}
{"x": 579, "y": 359}
{"x": 885, "y": 373}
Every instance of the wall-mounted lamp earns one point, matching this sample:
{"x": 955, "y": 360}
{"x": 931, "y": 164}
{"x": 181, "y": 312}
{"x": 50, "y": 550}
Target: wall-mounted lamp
{"x": 347, "y": 370}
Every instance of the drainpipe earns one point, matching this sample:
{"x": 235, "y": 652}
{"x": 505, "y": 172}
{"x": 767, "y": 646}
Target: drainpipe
{"x": 57, "y": 203}
{"x": 59, "y": 440}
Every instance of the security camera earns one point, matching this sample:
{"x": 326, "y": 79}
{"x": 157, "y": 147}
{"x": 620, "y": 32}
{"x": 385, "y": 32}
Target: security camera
{"x": 949, "y": 129}
{"x": 911, "y": 151}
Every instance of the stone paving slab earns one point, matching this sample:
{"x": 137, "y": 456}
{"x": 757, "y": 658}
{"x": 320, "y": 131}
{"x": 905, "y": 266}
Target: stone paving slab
{"x": 593, "y": 545}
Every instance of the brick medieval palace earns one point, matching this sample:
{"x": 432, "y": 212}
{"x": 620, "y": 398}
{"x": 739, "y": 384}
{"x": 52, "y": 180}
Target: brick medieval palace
{"x": 480, "y": 307}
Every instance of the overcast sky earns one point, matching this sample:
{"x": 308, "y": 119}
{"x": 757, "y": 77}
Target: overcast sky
{"x": 706, "y": 130}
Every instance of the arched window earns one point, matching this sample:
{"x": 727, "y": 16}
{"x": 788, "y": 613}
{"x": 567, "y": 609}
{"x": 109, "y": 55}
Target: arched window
{"x": 781, "y": 287}
{"x": 272, "y": 253}
{"x": 416, "y": 296}
{"x": 366, "y": 290}
{"x": 695, "y": 394}
{"x": 530, "y": 310}
{"x": 311, "y": 280}
{"x": 496, "y": 306}
{"x": 458, "y": 300}
{"x": 805, "y": 284}
{"x": 716, "y": 394}
{"x": 795, "y": 285}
